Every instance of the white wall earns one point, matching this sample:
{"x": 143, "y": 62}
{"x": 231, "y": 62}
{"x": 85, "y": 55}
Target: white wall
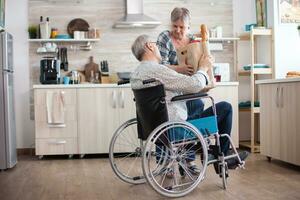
{"x": 287, "y": 45}
{"x": 243, "y": 13}
{"x": 16, "y": 24}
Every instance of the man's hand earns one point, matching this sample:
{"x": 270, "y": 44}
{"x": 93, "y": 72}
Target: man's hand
{"x": 185, "y": 69}
{"x": 206, "y": 62}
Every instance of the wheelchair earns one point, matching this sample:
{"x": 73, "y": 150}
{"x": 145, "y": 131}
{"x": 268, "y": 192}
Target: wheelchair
{"x": 151, "y": 148}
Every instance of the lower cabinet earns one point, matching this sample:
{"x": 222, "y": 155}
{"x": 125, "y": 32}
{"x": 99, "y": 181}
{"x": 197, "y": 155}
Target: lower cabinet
{"x": 279, "y": 121}
{"x": 54, "y": 139}
{"x": 92, "y": 115}
{"x": 100, "y": 112}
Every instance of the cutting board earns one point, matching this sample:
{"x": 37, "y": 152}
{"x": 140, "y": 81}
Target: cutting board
{"x": 91, "y": 66}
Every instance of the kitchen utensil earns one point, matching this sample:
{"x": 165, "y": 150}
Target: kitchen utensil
{"x": 104, "y": 68}
{"x": 77, "y": 24}
{"x": 66, "y": 60}
{"x": 66, "y": 80}
{"x": 63, "y": 36}
{"x": 75, "y": 79}
{"x": 124, "y": 75}
{"x": 91, "y": 66}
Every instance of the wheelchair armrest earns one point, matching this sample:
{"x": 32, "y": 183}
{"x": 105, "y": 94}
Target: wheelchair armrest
{"x": 122, "y": 82}
{"x": 189, "y": 96}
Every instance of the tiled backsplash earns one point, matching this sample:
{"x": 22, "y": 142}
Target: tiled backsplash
{"x": 115, "y": 44}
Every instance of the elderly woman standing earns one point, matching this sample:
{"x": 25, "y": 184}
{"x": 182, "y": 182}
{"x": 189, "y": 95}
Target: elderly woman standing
{"x": 169, "y": 41}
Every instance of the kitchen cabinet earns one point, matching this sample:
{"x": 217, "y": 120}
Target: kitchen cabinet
{"x": 100, "y": 112}
{"x": 228, "y": 93}
{"x": 94, "y": 112}
{"x": 52, "y": 139}
{"x": 280, "y": 125}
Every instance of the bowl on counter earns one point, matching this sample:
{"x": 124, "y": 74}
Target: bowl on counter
{"x": 124, "y": 75}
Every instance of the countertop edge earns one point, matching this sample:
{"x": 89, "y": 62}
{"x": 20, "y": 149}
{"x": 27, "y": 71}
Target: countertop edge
{"x": 283, "y": 80}
{"x": 112, "y": 85}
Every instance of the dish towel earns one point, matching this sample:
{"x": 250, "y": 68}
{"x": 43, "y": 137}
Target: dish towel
{"x": 55, "y": 109}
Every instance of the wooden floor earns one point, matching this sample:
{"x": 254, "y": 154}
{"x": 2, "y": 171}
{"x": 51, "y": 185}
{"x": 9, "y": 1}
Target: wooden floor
{"x": 92, "y": 178}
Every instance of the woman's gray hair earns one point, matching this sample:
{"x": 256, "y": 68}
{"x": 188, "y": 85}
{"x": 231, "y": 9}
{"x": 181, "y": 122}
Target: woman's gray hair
{"x": 181, "y": 14}
{"x": 138, "y": 46}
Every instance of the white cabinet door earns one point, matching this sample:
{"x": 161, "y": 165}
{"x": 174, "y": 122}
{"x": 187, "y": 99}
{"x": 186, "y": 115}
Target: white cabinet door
{"x": 98, "y": 118}
{"x": 230, "y": 95}
{"x": 126, "y": 105}
{"x": 270, "y": 120}
{"x": 289, "y": 122}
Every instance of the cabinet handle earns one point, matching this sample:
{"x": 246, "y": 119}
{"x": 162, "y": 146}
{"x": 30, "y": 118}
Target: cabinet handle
{"x": 62, "y": 96}
{"x": 122, "y": 97}
{"x": 281, "y": 97}
{"x": 114, "y": 97}
{"x": 277, "y": 97}
{"x": 58, "y": 142}
{"x": 56, "y": 125}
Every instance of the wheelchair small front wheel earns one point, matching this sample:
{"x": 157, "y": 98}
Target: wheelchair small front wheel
{"x": 185, "y": 158}
{"x": 224, "y": 174}
{"x": 125, "y": 153}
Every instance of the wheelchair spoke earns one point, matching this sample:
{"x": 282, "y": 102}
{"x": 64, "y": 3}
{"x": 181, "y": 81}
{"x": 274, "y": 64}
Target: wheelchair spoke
{"x": 131, "y": 166}
{"x": 129, "y": 142}
{"x": 127, "y": 156}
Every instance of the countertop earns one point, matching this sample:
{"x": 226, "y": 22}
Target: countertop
{"x": 283, "y": 80}
{"x": 113, "y": 85}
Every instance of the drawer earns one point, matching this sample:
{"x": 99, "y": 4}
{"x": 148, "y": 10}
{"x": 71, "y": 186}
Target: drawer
{"x": 40, "y": 96}
{"x": 43, "y": 130}
{"x": 40, "y": 113}
{"x": 56, "y": 146}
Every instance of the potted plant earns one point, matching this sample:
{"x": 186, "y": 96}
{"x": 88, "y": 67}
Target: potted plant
{"x": 32, "y": 30}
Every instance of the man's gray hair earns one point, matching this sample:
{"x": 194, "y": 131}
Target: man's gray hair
{"x": 138, "y": 46}
{"x": 181, "y": 14}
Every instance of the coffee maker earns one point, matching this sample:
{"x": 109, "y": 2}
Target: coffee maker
{"x": 49, "y": 71}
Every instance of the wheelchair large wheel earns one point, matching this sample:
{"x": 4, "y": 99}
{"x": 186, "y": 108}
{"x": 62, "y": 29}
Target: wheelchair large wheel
{"x": 125, "y": 153}
{"x": 180, "y": 143}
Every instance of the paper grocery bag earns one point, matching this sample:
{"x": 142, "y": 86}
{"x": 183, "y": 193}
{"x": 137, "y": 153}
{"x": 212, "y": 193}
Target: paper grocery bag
{"x": 190, "y": 54}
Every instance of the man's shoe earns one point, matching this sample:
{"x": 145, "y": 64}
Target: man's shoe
{"x": 233, "y": 163}
{"x": 192, "y": 167}
{"x": 170, "y": 173}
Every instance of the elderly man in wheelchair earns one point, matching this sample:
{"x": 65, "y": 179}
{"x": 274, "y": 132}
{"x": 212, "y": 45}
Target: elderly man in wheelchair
{"x": 159, "y": 146}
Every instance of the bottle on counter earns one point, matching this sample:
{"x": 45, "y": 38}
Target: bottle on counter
{"x": 39, "y": 27}
{"x": 45, "y": 29}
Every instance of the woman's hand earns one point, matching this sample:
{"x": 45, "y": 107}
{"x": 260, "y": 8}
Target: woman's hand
{"x": 185, "y": 69}
{"x": 206, "y": 62}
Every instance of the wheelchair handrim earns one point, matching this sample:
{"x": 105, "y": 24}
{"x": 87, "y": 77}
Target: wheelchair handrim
{"x": 154, "y": 136}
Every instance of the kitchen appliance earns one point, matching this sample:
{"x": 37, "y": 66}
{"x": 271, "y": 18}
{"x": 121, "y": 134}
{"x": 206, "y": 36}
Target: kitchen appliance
{"x": 8, "y": 152}
{"x": 135, "y": 17}
{"x": 49, "y": 73}
{"x": 124, "y": 75}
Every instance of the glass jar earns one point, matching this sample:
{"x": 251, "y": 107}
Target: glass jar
{"x": 54, "y": 32}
